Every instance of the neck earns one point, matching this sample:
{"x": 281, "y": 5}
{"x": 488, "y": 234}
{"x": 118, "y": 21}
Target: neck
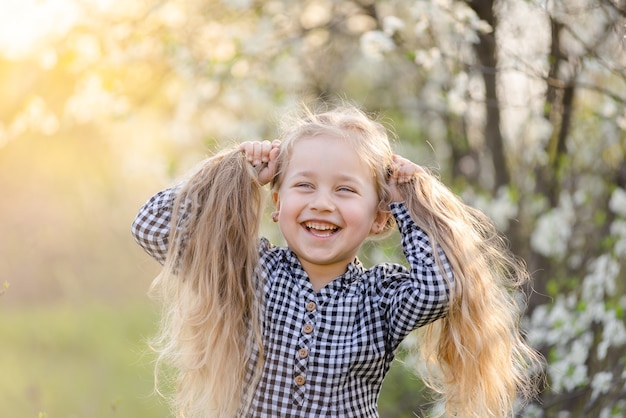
{"x": 321, "y": 275}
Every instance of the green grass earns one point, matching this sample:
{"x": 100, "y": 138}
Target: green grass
{"x": 403, "y": 395}
{"x": 77, "y": 362}
{"x": 93, "y": 362}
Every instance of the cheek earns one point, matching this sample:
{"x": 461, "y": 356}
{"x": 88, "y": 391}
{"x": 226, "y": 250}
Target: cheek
{"x": 364, "y": 214}
{"x": 374, "y": 204}
{"x": 288, "y": 206}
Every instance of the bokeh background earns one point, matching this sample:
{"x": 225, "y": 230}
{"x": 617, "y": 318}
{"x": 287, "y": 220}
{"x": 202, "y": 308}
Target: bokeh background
{"x": 519, "y": 106}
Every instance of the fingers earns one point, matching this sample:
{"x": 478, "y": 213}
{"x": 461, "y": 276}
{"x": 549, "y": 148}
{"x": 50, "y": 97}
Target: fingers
{"x": 257, "y": 152}
{"x": 273, "y": 156}
{"x": 262, "y": 155}
{"x": 404, "y": 170}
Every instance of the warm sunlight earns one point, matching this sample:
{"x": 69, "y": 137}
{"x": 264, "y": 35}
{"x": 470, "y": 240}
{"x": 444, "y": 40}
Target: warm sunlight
{"x": 25, "y": 25}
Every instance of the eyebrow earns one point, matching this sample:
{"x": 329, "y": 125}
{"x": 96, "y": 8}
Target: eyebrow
{"x": 341, "y": 177}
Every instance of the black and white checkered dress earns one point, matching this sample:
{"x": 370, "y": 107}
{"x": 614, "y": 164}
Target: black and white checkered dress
{"x": 327, "y": 352}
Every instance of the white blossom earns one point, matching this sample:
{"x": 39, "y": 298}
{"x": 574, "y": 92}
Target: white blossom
{"x": 566, "y": 376}
{"x": 444, "y": 4}
{"x": 482, "y": 26}
{"x": 601, "y": 279}
{"x": 375, "y": 43}
{"x": 540, "y": 129}
{"x": 92, "y": 100}
{"x": 171, "y": 14}
{"x": 557, "y": 324}
{"x": 617, "y": 204}
{"x": 457, "y": 102}
{"x": 36, "y": 116}
{"x": 463, "y": 13}
{"x": 500, "y": 209}
{"x": 601, "y": 383}
{"x": 392, "y": 24}
{"x": 569, "y": 371}
{"x": 422, "y": 24}
{"x": 553, "y": 231}
{"x": 613, "y": 334}
{"x": 428, "y": 59}
{"x": 615, "y": 411}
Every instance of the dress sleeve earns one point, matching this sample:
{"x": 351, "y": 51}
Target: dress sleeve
{"x": 423, "y": 296}
{"x": 151, "y": 227}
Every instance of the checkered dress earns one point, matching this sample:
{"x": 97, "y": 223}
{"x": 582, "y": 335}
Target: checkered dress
{"x": 327, "y": 352}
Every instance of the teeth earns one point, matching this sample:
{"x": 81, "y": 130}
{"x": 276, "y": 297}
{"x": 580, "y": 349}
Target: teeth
{"x": 321, "y": 227}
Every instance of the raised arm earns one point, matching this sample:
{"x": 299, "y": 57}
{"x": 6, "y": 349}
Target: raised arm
{"x": 421, "y": 295}
{"x": 151, "y": 227}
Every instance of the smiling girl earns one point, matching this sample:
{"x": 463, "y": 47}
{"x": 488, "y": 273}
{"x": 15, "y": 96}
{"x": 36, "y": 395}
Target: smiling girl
{"x": 306, "y": 330}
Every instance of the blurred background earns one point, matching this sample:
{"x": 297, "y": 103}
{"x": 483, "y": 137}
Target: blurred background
{"x": 519, "y": 106}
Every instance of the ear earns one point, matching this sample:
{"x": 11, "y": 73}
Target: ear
{"x": 276, "y": 200}
{"x": 379, "y": 222}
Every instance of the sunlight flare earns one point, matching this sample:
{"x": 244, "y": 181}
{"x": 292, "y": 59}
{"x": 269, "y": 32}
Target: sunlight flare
{"x": 26, "y": 25}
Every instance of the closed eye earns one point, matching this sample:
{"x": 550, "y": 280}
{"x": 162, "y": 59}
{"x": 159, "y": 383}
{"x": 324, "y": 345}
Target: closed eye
{"x": 346, "y": 189}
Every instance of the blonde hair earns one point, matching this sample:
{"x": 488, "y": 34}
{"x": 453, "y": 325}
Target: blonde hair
{"x": 211, "y": 303}
{"x": 476, "y": 358}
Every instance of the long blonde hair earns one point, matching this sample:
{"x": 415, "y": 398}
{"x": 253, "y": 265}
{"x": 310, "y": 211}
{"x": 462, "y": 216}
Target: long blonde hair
{"x": 475, "y": 357}
{"x": 211, "y": 321}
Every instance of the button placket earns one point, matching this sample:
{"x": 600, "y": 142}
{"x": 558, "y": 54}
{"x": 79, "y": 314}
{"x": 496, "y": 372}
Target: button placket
{"x": 303, "y": 351}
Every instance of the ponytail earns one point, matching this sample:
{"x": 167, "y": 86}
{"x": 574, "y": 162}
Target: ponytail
{"x": 211, "y": 319}
{"x": 475, "y": 357}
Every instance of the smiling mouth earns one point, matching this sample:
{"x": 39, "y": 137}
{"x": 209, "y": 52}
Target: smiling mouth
{"x": 321, "y": 230}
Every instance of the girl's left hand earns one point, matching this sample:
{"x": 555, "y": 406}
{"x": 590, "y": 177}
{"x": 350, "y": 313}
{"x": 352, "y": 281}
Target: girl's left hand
{"x": 402, "y": 171}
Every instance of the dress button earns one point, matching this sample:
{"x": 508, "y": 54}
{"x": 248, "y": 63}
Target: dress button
{"x": 303, "y": 353}
{"x": 308, "y": 328}
{"x": 310, "y": 306}
{"x": 299, "y": 380}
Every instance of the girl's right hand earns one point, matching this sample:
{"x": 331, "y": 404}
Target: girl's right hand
{"x": 262, "y": 155}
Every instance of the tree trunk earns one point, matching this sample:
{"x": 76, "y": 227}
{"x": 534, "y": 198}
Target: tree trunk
{"x": 487, "y": 55}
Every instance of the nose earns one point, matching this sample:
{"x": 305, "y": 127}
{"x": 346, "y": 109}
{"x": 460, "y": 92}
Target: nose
{"x": 322, "y": 200}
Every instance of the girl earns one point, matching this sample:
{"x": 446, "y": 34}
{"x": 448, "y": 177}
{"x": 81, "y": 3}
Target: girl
{"x": 257, "y": 330}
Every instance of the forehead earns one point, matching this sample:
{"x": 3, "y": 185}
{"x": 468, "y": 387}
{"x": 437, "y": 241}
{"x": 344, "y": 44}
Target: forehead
{"x": 325, "y": 147}
{"x": 323, "y": 141}
{"x": 322, "y": 152}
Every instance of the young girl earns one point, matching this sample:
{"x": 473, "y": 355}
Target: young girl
{"x": 257, "y": 330}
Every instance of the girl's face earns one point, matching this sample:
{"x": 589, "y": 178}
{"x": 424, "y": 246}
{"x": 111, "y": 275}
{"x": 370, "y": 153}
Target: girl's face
{"x": 327, "y": 204}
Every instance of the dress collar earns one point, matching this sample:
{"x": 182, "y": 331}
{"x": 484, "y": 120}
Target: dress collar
{"x": 353, "y": 274}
